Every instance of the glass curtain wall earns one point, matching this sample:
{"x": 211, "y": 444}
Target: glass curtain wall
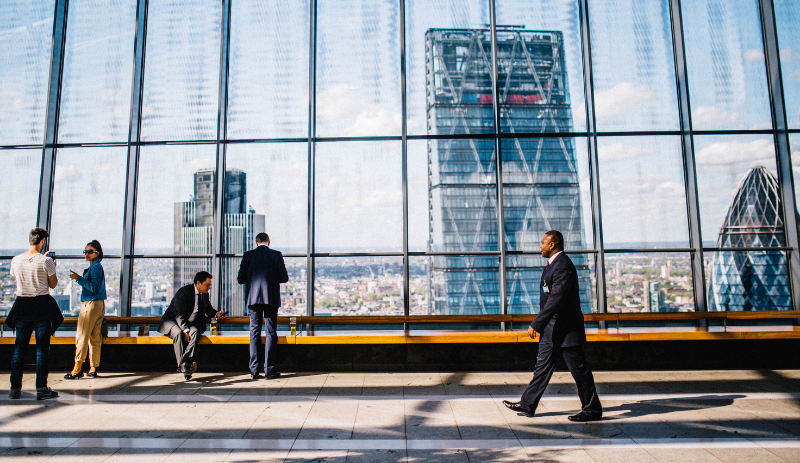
{"x": 406, "y": 156}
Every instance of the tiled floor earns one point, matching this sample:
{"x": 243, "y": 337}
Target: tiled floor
{"x": 704, "y": 416}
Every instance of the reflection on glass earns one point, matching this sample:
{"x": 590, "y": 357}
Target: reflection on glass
{"x": 274, "y": 179}
{"x": 88, "y": 199}
{"x": 452, "y": 195}
{"x": 19, "y": 191}
{"x": 155, "y": 282}
{"x": 98, "y": 64}
{"x": 293, "y": 293}
{"x": 649, "y": 282}
{"x": 359, "y": 197}
{"x": 633, "y": 65}
{"x": 358, "y": 68}
{"x": 358, "y": 286}
{"x": 747, "y": 280}
{"x": 68, "y": 292}
{"x": 181, "y": 83}
{"x": 268, "y": 70}
{"x": 546, "y": 187}
{"x": 725, "y": 63}
{"x": 740, "y": 199}
{"x": 787, "y": 21}
{"x": 438, "y": 80}
{"x": 26, "y": 37}
{"x": 8, "y": 287}
{"x": 524, "y": 275}
{"x": 539, "y": 47}
{"x": 176, "y": 193}
{"x": 642, "y": 192}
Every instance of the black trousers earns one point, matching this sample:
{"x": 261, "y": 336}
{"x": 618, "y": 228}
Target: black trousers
{"x": 258, "y": 314}
{"x": 577, "y": 365}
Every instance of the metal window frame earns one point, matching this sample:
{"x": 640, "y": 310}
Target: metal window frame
{"x": 780, "y": 132}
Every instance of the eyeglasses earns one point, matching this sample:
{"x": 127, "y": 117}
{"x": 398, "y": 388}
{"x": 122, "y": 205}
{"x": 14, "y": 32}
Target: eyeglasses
{"x": 89, "y": 251}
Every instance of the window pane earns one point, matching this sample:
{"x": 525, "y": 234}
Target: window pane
{"x": 88, "y": 199}
{"x": 358, "y": 68}
{"x": 68, "y": 292}
{"x": 452, "y": 195}
{"x": 748, "y": 280}
{"x": 176, "y": 193}
{"x": 26, "y": 37}
{"x": 740, "y": 198}
{"x": 546, "y": 187}
{"x": 649, "y": 282}
{"x": 642, "y": 191}
{"x": 96, "y": 88}
{"x": 633, "y": 65}
{"x": 268, "y": 70}
{"x": 19, "y": 198}
{"x": 359, "y": 197}
{"x": 448, "y": 67}
{"x": 544, "y": 93}
{"x": 794, "y": 147}
{"x": 155, "y": 282}
{"x": 181, "y": 84}
{"x": 725, "y": 63}
{"x": 293, "y": 293}
{"x": 274, "y": 178}
{"x": 8, "y": 287}
{"x": 524, "y": 277}
{"x": 463, "y": 285}
{"x": 358, "y": 286}
{"x": 787, "y": 19}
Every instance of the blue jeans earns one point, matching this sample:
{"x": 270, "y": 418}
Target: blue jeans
{"x": 258, "y": 313}
{"x": 41, "y": 327}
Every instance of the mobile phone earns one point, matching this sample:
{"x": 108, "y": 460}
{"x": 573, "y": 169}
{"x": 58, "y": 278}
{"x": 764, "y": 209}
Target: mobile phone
{"x": 51, "y": 254}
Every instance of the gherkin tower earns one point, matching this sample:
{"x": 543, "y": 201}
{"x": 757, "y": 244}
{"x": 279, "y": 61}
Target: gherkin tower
{"x": 752, "y": 280}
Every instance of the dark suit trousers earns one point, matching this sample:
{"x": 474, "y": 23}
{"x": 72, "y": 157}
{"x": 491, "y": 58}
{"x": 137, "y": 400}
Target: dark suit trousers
{"x": 184, "y": 352}
{"x": 577, "y": 365}
{"x": 258, "y": 314}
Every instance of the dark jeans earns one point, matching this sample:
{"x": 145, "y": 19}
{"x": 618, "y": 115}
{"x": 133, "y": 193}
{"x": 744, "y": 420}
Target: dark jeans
{"x": 258, "y": 313}
{"x": 41, "y": 327}
{"x": 543, "y": 371}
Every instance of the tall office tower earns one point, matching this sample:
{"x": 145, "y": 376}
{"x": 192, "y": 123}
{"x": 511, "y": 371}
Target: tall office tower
{"x": 541, "y": 190}
{"x": 656, "y": 303}
{"x": 752, "y": 280}
{"x": 194, "y": 231}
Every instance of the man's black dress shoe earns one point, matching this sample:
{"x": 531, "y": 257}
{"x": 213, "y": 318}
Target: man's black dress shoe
{"x": 517, "y": 407}
{"x": 583, "y": 417}
{"x": 255, "y": 375}
{"x": 273, "y": 375}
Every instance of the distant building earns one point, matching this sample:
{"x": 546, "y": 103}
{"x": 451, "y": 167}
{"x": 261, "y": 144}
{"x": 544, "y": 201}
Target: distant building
{"x": 194, "y": 234}
{"x": 752, "y": 280}
{"x": 541, "y": 189}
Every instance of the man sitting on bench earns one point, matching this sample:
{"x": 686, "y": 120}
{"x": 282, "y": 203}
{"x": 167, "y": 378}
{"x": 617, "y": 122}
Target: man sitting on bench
{"x": 185, "y": 320}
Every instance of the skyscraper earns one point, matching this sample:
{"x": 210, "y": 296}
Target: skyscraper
{"x": 748, "y": 280}
{"x": 541, "y": 190}
{"x": 194, "y": 232}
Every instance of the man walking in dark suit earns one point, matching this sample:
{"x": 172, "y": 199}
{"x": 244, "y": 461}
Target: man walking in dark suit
{"x": 185, "y": 320}
{"x": 560, "y": 325}
{"x": 262, "y": 271}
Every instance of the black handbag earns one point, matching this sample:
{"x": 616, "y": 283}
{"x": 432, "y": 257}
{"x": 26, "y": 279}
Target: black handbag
{"x": 104, "y": 328}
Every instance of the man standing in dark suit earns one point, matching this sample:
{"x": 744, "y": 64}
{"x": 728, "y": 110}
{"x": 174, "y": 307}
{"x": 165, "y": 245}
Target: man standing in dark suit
{"x": 560, "y": 325}
{"x": 262, "y": 271}
{"x": 185, "y": 320}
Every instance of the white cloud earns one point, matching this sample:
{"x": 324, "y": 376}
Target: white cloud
{"x": 711, "y": 116}
{"x": 337, "y": 102}
{"x": 620, "y": 152}
{"x": 796, "y": 75}
{"x": 722, "y": 155}
{"x": 374, "y": 120}
{"x": 67, "y": 174}
{"x": 753, "y": 54}
{"x": 789, "y": 54}
{"x": 342, "y": 102}
{"x": 619, "y": 98}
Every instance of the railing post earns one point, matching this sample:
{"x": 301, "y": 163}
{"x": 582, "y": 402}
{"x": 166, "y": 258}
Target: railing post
{"x": 131, "y": 182}
{"x": 781, "y": 135}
